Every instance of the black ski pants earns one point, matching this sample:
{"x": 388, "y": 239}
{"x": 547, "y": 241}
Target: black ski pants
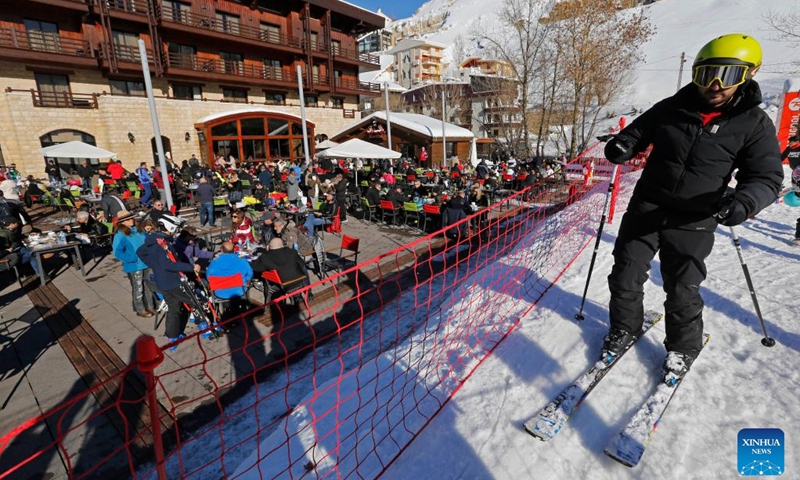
{"x": 176, "y": 320}
{"x": 682, "y": 254}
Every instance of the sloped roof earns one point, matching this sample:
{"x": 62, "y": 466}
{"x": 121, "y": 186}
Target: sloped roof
{"x": 422, "y": 124}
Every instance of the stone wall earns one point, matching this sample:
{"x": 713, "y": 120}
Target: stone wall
{"x": 21, "y": 124}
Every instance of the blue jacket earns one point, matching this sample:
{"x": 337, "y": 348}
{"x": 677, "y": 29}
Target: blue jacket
{"x": 125, "y": 247}
{"x": 265, "y": 178}
{"x": 165, "y": 271}
{"x": 230, "y": 264}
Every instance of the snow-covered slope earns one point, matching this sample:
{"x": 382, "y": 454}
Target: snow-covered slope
{"x": 681, "y": 26}
{"x": 736, "y": 383}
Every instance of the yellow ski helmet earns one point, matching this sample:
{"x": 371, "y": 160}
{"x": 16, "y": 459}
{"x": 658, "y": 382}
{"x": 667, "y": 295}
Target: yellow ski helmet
{"x": 730, "y": 49}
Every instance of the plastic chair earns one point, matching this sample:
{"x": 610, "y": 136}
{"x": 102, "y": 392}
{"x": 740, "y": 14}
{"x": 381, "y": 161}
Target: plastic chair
{"x": 347, "y": 249}
{"x": 429, "y": 211}
{"x": 389, "y": 211}
{"x": 370, "y": 209}
{"x": 275, "y": 284}
{"x": 216, "y": 283}
{"x": 412, "y": 212}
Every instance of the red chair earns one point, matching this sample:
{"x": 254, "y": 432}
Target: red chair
{"x": 411, "y": 178}
{"x": 274, "y": 284}
{"x": 429, "y": 210}
{"x": 388, "y": 210}
{"x": 217, "y": 283}
{"x": 350, "y": 245}
{"x": 430, "y": 175}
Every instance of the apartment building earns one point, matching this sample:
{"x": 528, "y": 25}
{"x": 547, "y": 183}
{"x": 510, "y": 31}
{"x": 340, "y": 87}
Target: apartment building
{"x": 224, "y": 73}
{"x": 417, "y": 62}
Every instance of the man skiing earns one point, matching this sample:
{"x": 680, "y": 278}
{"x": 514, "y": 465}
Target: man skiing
{"x": 700, "y": 135}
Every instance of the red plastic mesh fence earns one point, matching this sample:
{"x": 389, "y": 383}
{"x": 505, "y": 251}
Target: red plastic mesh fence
{"x": 335, "y": 386}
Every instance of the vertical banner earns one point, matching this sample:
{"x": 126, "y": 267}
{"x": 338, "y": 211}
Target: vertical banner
{"x": 789, "y": 111}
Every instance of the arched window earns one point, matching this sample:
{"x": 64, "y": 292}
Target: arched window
{"x": 255, "y": 136}
{"x": 63, "y": 136}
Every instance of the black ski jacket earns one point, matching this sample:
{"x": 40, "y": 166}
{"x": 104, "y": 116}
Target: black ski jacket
{"x": 690, "y": 165}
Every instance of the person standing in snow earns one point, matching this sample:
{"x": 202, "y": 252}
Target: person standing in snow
{"x": 699, "y": 136}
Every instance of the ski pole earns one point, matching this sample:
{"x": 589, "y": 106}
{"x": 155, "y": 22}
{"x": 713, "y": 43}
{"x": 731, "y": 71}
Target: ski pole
{"x": 766, "y": 341}
{"x": 579, "y": 316}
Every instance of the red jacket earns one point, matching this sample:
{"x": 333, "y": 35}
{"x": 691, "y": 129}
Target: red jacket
{"x": 116, "y": 171}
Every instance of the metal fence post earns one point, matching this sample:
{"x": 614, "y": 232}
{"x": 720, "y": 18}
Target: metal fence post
{"x": 149, "y": 357}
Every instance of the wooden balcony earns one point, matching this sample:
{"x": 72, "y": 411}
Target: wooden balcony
{"x": 45, "y": 47}
{"x": 210, "y": 26}
{"x": 126, "y": 57}
{"x": 352, "y": 56}
{"x": 351, "y": 85}
{"x": 60, "y": 99}
{"x": 132, "y": 10}
{"x": 78, "y": 5}
{"x": 224, "y": 70}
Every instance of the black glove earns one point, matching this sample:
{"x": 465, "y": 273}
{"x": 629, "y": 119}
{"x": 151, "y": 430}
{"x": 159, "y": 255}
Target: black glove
{"x": 732, "y": 211}
{"x": 618, "y": 150}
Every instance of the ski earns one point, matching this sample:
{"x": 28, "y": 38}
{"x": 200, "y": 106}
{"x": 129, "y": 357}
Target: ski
{"x": 549, "y": 421}
{"x": 629, "y": 446}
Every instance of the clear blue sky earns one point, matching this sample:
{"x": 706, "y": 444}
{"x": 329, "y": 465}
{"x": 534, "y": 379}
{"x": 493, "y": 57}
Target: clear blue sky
{"x": 393, "y": 8}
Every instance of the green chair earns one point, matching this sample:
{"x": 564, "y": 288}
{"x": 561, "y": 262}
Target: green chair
{"x": 316, "y": 205}
{"x": 371, "y": 210}
{"x": 412, "y": 212}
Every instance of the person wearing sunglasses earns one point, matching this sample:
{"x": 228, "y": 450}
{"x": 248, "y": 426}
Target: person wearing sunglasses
{"x": 699, "y": 136}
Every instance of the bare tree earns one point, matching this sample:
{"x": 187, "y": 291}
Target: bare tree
{"x": 518, "y": 40}
{"x": 787, "y": 27}
{"x": 596, "y": 44}
{"x": 459, "y": 50}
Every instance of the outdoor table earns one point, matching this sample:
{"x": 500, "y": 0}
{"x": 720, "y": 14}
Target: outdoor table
{"x": 52, "y": 245}
{"x": 296, "y": 215}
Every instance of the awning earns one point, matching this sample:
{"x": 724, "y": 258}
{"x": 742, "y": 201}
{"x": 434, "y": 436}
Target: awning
{"x": 326, "y": 144}
{"x": 75, "y": 150}
{"x": 356, "y": 148}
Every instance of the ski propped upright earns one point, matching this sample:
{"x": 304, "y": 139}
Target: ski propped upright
{"x": 629, "y": 446}
{"x": 552, "y": 418}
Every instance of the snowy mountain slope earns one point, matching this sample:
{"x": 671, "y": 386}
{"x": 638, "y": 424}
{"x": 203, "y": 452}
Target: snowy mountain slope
{"x": 681, "y": 26}
{"x": 736, "y": 383}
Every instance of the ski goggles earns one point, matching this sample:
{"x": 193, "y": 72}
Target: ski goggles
{"x": 727, "y": 75}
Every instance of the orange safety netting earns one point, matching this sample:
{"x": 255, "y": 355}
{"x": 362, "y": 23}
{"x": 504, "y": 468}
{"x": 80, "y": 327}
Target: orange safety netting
{"x": 337, "y": 386}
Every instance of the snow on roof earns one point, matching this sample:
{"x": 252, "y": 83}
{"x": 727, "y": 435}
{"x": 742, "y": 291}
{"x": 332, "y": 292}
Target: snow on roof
{"x": 242, "y": 111}
{"x": 422, "y": 124}
{"x": 407, "y": 43}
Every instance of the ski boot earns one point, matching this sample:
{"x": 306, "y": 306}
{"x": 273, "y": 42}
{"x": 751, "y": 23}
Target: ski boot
{"x": 201, "y": 325}
{"x": 615, "y": 343}
{"x": 676, "y": 366}
{"x": 171, "y": 340}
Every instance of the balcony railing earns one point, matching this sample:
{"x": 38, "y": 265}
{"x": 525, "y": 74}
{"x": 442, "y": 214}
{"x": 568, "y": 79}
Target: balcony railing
{"x": 353, "y": 84}
{"x": 213, "y": 24}
{"x": 228, "y": 67}
{"x": 60, "y": 99}
{"x": 316, "y": 45}
{"x": 132, "y": 6}
{"x": 128, "y": 53}
{"x": 44, "y": 42}
{"x": 354, "y": 55}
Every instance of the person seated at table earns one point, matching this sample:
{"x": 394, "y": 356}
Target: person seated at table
{"x": 396, "y": 196}
{"x": 419, "y": 190}
{"x": 179, "y": 191}
{"x": 317, "y": 218}
{"x": 374, "y": 194}
{"x": 111, "y": 204}
{"x": 33, "y": 190}
{"x": 234, "y": 187}
{"x": 267, "y": 226}
{"x": 261, "y": 193}
{"x": 157, "y": 212}
{"x": 242, "y": 228}
{"x": 11, "y": 241}
{"x": 286, "y": 261}
{"x": 189, "y": 249}
{"x": 87, "y": 225}
{"x": 227, "y": 264}
{"x": 455, "y": 210}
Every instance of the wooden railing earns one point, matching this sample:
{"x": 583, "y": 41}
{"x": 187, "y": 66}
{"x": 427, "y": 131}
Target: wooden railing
{"x": 60, "y": 99}
{"x": 354, "y": 55}
{"x": 231, "y": 27}
{"x": 132, "y": 6}
{"x": 228, "y": 67}
{"x": 44, "y": 42}
{"x": 353, "y": 84}
{"x": 127, "y": 53}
